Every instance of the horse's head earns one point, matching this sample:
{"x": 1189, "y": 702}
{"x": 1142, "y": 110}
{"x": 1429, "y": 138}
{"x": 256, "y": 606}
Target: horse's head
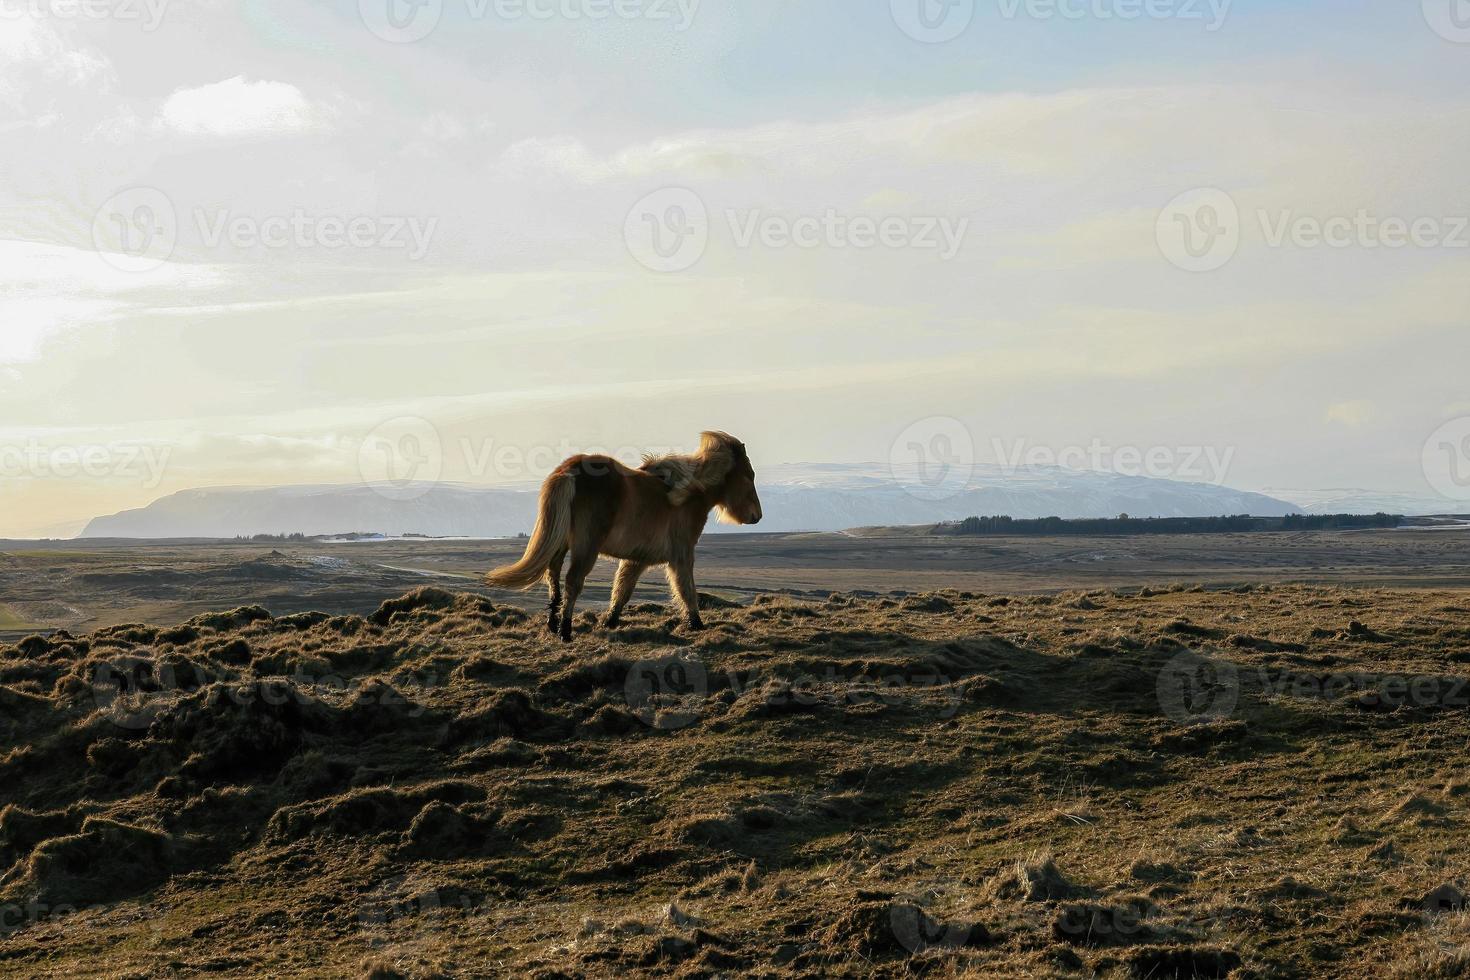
{"x": 734, "y": 496}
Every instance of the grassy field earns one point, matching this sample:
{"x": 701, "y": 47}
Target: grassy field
{"x": 1262, "y": 781}
{"x": 11, "y": 621}
{"x": 90, "y": 584}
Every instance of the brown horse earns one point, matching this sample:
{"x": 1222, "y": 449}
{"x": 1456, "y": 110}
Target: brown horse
{"x": 654, "y": 515}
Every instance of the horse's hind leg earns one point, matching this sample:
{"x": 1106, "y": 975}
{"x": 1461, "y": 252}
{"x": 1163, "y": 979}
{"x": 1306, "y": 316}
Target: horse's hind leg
{"x": 623, "y": 585}
{"x": 584, "y": 556}
{"x": 553, "y": 586}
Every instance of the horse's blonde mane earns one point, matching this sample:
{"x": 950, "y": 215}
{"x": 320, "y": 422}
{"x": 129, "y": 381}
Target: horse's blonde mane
{"x": 701, "y": 471}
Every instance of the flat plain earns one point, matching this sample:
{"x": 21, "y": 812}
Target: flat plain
{"x": 92, "y": 583}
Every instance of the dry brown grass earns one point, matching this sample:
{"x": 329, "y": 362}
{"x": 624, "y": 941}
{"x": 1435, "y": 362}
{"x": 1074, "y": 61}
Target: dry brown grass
{"x": 951, "y": 783}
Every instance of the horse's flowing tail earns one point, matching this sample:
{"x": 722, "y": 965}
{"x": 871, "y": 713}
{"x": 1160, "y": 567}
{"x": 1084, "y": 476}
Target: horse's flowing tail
{"x": 553, "y": 526}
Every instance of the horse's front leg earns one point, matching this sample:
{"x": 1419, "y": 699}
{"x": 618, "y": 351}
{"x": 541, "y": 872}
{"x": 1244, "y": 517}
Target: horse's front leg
{"x": 681, "y": 583}
{"x": 623, "y": 585}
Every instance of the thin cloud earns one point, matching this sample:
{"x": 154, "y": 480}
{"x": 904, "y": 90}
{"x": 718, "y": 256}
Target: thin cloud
{"x": 237, "y": 108}
{"x": 36, "y": 57}
{"x": 47, "y": 290}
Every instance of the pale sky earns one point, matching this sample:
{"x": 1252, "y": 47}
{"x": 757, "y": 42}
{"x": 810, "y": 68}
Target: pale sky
{"x": 241, "y": 240}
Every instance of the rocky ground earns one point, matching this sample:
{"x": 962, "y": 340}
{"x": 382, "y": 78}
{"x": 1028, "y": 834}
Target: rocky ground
{"x": 1258, "y": 782}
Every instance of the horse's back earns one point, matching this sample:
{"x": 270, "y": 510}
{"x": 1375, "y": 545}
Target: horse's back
{"x": 626, "y": 510}
{"x": 622, "y": 508}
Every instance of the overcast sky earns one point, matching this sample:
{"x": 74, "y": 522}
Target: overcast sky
{"x": 254, "y": 242}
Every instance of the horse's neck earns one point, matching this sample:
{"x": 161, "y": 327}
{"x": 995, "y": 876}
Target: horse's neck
{"x": 702, "y": 507}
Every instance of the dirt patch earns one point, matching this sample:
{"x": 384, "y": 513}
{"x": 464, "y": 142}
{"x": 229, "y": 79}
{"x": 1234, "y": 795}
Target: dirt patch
{"x": 1183, "y": 963}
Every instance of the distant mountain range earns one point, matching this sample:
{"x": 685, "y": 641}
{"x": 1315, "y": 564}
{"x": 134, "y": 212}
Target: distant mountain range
{"x": 822, "y": 497}
{"x": 1348, "y": 501}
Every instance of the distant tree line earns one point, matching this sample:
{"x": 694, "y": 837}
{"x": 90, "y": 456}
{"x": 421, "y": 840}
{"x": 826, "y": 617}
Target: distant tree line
{"x": 1123, "y": 524}
{"x": 298, "y": 536}
{"x": 1340, "y": 522}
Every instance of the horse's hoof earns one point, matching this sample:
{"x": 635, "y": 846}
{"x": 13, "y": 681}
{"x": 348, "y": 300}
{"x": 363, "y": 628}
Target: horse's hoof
{"x": 611, "y": 623}
{"x": 553, "y": 626}
{"x": 695, "y": 626}
{"x": 566, "y": 636}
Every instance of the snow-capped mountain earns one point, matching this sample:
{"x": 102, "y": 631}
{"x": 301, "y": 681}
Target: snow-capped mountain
{"x": 806, "y": 497}
{"x": 1350, "y": 501}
